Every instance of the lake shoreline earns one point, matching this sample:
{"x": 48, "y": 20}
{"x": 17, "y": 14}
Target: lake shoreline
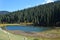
{"x": 44, "y": 34}
{"x": 54, "y": 33}
{"x": 24, "y": 24}
{"x": 21, "y": 24}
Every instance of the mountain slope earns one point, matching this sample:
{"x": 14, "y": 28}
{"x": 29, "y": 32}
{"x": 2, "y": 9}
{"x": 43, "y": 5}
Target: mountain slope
{"x": 42, "y": 15}
{"x": 4, "y": 12}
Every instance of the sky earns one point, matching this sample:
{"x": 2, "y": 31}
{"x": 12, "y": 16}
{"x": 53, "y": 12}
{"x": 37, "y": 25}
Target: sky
{"x": 14, "y": 5}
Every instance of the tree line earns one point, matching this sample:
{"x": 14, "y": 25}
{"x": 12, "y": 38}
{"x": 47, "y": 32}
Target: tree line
{"x": 42, "y": 15}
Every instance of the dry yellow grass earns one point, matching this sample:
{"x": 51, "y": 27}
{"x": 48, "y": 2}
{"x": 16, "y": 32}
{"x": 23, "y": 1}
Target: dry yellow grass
{"x": 1, "y": 25}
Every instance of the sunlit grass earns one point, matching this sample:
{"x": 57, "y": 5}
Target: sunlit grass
{"x": 6, "y": 36}
{"x": 24, "y": 24}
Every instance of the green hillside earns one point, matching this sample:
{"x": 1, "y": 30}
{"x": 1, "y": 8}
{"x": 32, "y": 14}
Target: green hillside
{"x": 42, "y": 15}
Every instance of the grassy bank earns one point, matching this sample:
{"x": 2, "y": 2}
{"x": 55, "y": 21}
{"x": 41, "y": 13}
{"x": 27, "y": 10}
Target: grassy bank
{"x": 5, "y": 35}
{"x": 53, "y": 34}
{"x": 22, "y": 24}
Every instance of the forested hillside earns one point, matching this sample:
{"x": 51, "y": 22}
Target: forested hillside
{"x": 42, "y": 15}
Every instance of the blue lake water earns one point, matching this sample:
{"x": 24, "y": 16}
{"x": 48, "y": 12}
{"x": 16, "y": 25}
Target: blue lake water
{"x": 27, "y": 28}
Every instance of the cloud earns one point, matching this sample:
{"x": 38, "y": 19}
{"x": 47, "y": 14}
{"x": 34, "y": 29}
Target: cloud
{"x": 28, "y": 6}
{"x": 48, "y": 1}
